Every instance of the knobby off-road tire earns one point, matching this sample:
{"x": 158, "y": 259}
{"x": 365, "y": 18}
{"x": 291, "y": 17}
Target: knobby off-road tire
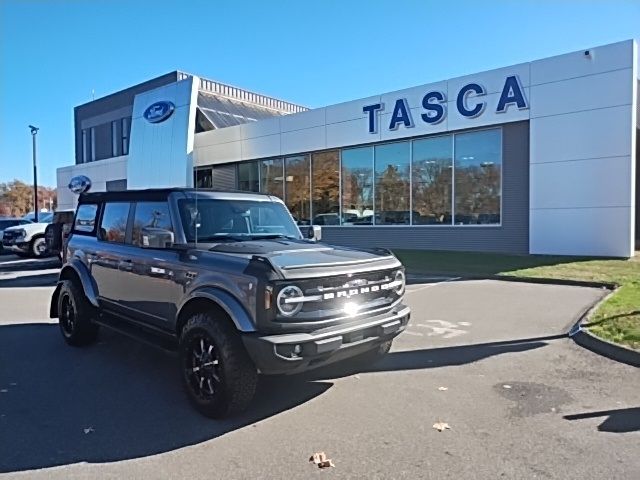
{"x": 217, "y": 373}
{"x": 75, "y": 315}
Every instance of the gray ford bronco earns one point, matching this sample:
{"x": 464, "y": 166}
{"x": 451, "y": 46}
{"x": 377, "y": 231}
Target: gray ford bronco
{"x": 228, "y": 281}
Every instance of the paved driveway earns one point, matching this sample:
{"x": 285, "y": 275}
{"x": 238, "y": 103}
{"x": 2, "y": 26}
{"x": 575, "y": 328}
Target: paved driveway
{"x": 522, "y": 400}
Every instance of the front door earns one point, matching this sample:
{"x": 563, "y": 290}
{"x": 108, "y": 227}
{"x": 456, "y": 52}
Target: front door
{"x": 155, "y": 284}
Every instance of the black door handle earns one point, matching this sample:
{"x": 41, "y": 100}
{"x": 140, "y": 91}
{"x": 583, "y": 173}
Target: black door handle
{"x": 125, "y": 265}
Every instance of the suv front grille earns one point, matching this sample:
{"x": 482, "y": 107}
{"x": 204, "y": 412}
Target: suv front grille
{"x": 9, "y": 235}
{"x": 368, "y": 291}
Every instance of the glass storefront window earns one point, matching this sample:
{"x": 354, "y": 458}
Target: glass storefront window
{"x": 325, "y": 167}
{"x": 357, "y": 186}
{"x": 248, "y": 176}
{"x": 478, "y": 168}
{"x": 453, "y": 179}
{"x": 271, "y": 177}
{"x": 392, "y": 184}
{"x": 203, "y": 178}
{"x": 297, "y": 190}
{"x": 431, "y": 174}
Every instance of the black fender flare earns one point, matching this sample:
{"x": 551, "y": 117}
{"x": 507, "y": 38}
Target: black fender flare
{"x": 236, "y": 311}
{"x": 74, "y": 268}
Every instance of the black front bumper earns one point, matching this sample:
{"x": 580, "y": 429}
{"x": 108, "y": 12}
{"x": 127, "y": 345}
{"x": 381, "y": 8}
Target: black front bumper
{"x": 297, "y": 352}
{"x": 20, "y": 247}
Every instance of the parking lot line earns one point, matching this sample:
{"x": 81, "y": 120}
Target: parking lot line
{"x": 424, "y": 287}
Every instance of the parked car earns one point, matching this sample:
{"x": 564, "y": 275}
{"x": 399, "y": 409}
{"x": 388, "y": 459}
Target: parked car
{"x": 6, "y": 222}
{"x": 27, "y": 239}
{"x": 228, "y": 281}
{"x": 43, "y": 217}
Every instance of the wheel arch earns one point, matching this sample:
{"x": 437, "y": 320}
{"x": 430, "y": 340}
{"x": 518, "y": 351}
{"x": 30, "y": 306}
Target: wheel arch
{"x": 79, "y": 274}
{"x": 208, "y": 299}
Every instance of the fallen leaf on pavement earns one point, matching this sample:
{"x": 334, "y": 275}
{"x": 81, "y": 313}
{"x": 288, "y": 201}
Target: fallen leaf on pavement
{"x": 88, "y": 430}
{"x": 443, "y": 389}
{"x": 321, "y": 460}
{"x": 440, "y": 426}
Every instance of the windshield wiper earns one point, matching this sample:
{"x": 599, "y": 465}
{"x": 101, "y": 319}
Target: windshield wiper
{"x": 220, "y": 237}
{"x": 267, "y": 236}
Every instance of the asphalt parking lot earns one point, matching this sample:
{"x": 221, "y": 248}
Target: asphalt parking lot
{"x": 489, "y": 358}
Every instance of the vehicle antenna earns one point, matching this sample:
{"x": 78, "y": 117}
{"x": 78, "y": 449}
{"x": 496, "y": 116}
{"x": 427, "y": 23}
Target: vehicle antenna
{"x": 196, "y": 217}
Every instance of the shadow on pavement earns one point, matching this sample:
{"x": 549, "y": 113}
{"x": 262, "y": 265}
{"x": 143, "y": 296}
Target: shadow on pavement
{"x": 622, "y": 420}
{"x": 16, "y": 264}
{"x": 130, "y": 396}
{"x": 25, "y": 281}
{"x": 435, "y": 357}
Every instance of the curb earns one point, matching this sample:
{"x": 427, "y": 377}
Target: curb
{"x": 607, "y": 349}
{"x": 600, "y": 346}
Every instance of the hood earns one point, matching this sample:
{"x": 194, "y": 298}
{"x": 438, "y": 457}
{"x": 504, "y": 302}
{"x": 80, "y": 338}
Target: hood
{"x": 30, "y": 228}
{"x": 302, "y": 259}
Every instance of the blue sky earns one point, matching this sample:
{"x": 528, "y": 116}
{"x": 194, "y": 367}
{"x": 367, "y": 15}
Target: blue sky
{"x": 55, "y": 53}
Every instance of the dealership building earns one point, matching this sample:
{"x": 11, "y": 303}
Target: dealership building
{"x": 538, "y": 157}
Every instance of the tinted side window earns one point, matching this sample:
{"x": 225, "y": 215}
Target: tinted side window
{"x": 150, "y": 215}
{"x": 113, "y": 227}
{"x": 86, "y": 218}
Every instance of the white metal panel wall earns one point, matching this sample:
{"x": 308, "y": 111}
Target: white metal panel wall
{"x": 99, "y": 172}
{"x": 581, "y": 153}
{"x": 345, "y": 124}
{"x": 582, "y": 119}
{"x": 161, "y": 154}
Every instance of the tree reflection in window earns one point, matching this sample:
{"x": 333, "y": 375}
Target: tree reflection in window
{"x": 478, "y": 165}
{"x": 326, "y": 188}
{"x": 114, "y": 222}
{"x": 431, "y": 179}
{"x": 297, "y": 189}
{"x": 392, "y": 184}
{"x": 357, "y": 186}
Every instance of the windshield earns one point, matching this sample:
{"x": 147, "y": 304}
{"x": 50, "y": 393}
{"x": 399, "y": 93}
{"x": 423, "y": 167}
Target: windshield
{"x": 217, "y": 220}
{"x": 43, "y": 217}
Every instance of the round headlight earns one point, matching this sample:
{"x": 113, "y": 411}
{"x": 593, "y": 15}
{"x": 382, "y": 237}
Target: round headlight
{"x": 289, "y": 308}
{"x": 399, "y": 277}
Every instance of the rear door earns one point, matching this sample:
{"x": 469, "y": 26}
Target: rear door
{"x": 110, "y": 264}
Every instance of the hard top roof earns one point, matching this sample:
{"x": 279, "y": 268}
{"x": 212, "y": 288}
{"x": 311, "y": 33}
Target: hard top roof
{"x": 158, "y": 194}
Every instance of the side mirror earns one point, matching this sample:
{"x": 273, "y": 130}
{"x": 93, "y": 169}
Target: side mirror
{"x": 314, "y": 233}
{"x": 151, "y": 237}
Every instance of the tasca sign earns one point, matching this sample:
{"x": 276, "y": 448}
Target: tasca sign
{"x": 469, "y": 103}
{"x": 158, "y": 112}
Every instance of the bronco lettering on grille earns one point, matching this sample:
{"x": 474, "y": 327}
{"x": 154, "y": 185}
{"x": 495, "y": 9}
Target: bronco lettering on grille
{"x": 350, "y": 292}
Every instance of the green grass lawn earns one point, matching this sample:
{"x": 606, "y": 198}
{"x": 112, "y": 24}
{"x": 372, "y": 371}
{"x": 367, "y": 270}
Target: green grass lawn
{"x": 617, "y": 319}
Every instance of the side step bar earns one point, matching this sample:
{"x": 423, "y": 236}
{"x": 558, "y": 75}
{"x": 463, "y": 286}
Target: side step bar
{"x": 142, "y": 333}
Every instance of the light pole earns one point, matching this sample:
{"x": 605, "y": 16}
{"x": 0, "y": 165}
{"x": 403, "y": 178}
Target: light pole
{"x": 34, "y": 132}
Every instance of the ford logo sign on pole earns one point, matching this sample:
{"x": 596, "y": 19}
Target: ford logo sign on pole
{"x": 80, "y": 184}
{"x": 158, "y": 112}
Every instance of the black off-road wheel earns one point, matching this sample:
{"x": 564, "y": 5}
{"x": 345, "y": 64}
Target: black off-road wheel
{"x": 217, "y": 373}
{"x": 75, "y": 315}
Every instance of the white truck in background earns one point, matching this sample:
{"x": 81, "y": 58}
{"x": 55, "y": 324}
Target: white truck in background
{"x": 28, "y": 240}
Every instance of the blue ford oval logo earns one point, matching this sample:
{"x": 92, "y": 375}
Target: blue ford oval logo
{"x": 80, "y": 184}
{"x": 158, "y": 112}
